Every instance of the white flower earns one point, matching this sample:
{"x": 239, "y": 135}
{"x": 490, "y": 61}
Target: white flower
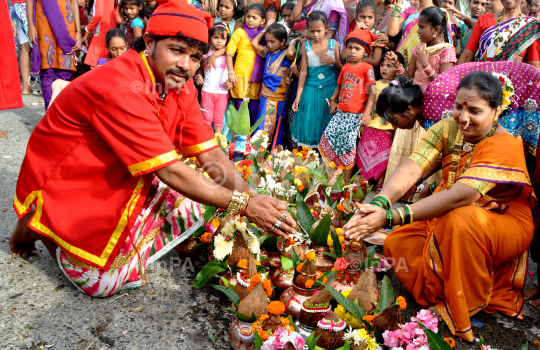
{"x": 222, "y": 248}
{"x": 252, "y": 242}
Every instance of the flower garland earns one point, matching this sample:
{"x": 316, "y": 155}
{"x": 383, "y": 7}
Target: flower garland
{"x": 360, "y": 337}
{"x": 281, "y": 338}
{"x": 259, "y": 278}
{"x": 274, "y": 308}
{"x": 507, "y": 89}
{"x": 261, "y": 134}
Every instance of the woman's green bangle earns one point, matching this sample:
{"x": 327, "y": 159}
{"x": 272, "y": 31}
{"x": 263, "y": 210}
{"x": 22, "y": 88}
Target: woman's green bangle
{"x": 386, "y": 204}
{"x": 406, "y": 214}
{"x": 401, "y": 216}
{"x": 432, "y": 187}
{"x": 389, "y": 219}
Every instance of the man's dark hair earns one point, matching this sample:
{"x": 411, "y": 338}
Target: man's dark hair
{"x": 139, "y": 44}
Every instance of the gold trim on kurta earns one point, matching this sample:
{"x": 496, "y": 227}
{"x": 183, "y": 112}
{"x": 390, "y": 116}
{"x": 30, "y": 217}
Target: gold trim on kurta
{"x": 147, "y": 65}
{"x": 101, "y": 260}
{"x": 196, "y": 149}
{"x": 149, "y": 164}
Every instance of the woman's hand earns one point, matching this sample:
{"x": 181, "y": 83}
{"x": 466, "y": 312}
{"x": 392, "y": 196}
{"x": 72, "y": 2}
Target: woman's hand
{"x": 327, "y": 60}
{"x": 32, "y": 34}
{"x": 88, "y": 38}
{"x": 82, "y": 3}
{"x": 295, "y": 104}
{"x": 382, "y": 38}
{"x": 266, "y": 211}
{"x": 361, "y": 25}
{"x": 368, "y": 219}
{"x": 422, "y": 55}
{"x": 229, "y": 86}
{"x": 455, "y": 12}
{"x": 78, "y": 41}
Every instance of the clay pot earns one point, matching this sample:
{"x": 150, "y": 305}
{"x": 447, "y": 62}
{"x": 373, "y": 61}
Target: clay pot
{"x": 283, "y": 279}
{"x": 324, "y": 262}
{"x": 241, "y": 335}
{"x": 273, "y": 262}
{"x": 293, "y": 298}
{"x": 230, "y": 276}
{"x": 343, "y": 284}
{"x": 187, "y": 247}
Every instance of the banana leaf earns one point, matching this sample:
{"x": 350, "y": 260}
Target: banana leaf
{"x": 319, "y": 236}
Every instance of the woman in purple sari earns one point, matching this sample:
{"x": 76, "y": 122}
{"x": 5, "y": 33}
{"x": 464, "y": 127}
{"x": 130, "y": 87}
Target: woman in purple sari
{"x": 55, "y": 32}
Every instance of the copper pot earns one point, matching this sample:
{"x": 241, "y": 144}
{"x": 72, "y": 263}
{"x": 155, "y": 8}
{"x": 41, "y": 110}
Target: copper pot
{"x": 283, "y": 279}
{"x": 293, "y": 298}
{"x": 187, "y": 247}
{"x": 324, "y": 262}
{"x": 273, "y": 262}
{"x": 241, "y": 334}
{"x": 343, "y": 284}
{"x": 230, "y": 276}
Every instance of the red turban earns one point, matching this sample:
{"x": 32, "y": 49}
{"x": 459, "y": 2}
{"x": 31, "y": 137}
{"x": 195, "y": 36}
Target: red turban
{"x": 176, "y": 16}
{"x": 362, "y": 37}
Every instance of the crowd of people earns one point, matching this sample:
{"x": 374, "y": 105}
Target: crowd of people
{"x": 429, "y": 99}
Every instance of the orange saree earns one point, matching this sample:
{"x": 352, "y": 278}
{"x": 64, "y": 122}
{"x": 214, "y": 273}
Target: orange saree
{"x": 473, "y": 258}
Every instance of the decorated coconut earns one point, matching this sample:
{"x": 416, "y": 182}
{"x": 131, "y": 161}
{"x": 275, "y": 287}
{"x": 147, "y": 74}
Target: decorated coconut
{"x": 330, "y": 332}
{"x": 314, "y": 308}
{"x": 365, "y": 292}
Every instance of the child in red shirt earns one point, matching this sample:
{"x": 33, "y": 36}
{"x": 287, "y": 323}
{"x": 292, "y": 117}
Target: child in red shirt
{"x": 355, "y": 83}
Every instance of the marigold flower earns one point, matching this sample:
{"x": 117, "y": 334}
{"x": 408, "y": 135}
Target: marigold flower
{"x": 324, "y": 280}
{"x": 318, "y": 275}
{"x": 332, "y": 165}
{"x": 267, "y": 285}
{"x": 276, "y": 307}
{"x": 206, "y": 237}
{"x": 341, "y": 167}
{"x": 402, "y": 303}
{"x": 340, "y": 207}
{"x": 254, "y": 281}
{"x": 450, "y": 342}
{"x": 215, "y": 222}
{"x": 310, "y": 255}
{"x": 242, "y": 264}
{"x": 304, "y": 148}
{"x": 369, "y": 318}
{"x": 263, "y": 334}
{"x": 301, "y": 188}
{"x": 257, "y": 263}
{"x": 295, "y": 151}
{"x": 285, "y": 322}
{"x": 290, "y": 241}
{"x": 309, "y": 283}
{"x": 299, "y": 267}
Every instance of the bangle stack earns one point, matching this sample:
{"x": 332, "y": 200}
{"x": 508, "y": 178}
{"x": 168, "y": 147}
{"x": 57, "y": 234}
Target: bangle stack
{"x": 389, "y": 219}
{"x": 401, "y": 216}
{"x": 432, "y": 187}
{"x": 397, "y": 11}
{"x": 408, "y": 213}
{"x": 429, "y": 71}
{"x": 400, "y": 70}
{"x": 238, "y": 202}
{"x": 381, "y": 202}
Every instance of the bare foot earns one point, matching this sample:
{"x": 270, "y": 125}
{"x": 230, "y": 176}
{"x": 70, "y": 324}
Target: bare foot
{"x": 145, "y": 280}
{"x": 532, "y": 293}
{"x": 22, "y": 242}
{"x": 28, "y": 92}
{"x": 435, "y": 312}
{"x": 535, "y": 303}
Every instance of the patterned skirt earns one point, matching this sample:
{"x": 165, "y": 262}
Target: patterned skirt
{"x": 166, "y": 220}
{"x": 338, "y": 143}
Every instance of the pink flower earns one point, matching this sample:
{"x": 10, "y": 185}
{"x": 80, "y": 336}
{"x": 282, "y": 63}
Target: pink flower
{"x": 427, "y": 319}
{"x": 299, "y": 342}
{"x": 392, "y": 339}
{"x": 341, "y": 264}
{"x": 531, "y": 273}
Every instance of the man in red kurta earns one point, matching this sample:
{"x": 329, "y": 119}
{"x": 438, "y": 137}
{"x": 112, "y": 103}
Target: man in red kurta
{"x": 90, "y": 161}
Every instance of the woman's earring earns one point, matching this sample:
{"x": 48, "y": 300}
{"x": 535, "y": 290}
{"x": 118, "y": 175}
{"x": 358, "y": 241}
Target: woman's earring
{"x": 434, "y": 35}
{"x": 411, "y": 113}
{"x": 145, "y": 52}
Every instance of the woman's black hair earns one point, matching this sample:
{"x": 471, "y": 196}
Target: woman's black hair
{"x": 398, "y": 97}
{"x": 123, "y": 3}
{"x": 362, "y": 4}
{"x": 487, "y": 85}
{"x": 399, "y": 57}
{"x": 221, "y": 30}
{"x": 436, "y": 17}
{"x": 146, "y": 11}
{"x": 278, "y": 30}
{"x": 239, "y": 8}
{"x": 289, "y": 5}
{"x": 315, "y": 16}
{"x": 90, "y": 7}
{"x": 261, "y": 11}
{"x": 114, "y": 33}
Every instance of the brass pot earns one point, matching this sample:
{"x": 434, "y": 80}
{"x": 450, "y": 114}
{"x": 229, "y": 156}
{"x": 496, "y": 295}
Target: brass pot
{"x": 241, "y": 335}
{"x": 187, "y": 247}
{"x": 273, "y": 262}
{"x": 293, "y": 298}
{"x": 283, "y": 279}
{"x": 230, "y": 276}
{"x": 324, "y": 262}
{"x": 343, "y": 284}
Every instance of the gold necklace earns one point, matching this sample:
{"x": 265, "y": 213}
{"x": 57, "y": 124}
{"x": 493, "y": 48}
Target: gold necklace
{"x": 380, "y": 19}
{"x": 459, "y": 146}
{"x": 497, "y": 38}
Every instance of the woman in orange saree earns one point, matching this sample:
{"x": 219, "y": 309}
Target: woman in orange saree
{"x": 467, "y": 250}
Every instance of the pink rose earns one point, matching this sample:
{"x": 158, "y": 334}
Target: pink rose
{"x": 299, "y": 342}
{"x": 341, "y": 264}
{"x": 392, "y": 339}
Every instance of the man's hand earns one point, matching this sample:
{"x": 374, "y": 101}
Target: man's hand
{"x": 266, "y": 211}
{"x": 199, "y": 80}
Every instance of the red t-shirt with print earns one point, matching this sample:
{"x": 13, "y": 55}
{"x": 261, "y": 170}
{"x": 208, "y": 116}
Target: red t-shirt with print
{"x": 354, "y": 82}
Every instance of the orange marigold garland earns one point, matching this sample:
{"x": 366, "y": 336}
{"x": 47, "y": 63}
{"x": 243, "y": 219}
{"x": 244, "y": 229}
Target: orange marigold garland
{"x": 310, "y": 255}
{"x": 299, "y": 267}
{"x": 267, "y": 285}
{"x": 309, "y": 283}
{"x": 242, "y": 264}
{"x": 206, "y": 237}
{"x": 402, "y": 303}
{"x": 369, "y": 318}
{"x": 276, "y": 308}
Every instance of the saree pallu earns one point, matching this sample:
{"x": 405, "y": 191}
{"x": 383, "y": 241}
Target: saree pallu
{"x": 329, "y": 6}
{"x": 517, "y": 40}
{"x": 373, "y": 152}
{"x": 166, "y": 220}
{"x": 474, "y": 257}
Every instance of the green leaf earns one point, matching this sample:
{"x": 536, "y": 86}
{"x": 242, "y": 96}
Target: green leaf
{"x": 288, "y": 176}
{"x": 385, "y": 297}
{"x": 336, "y": 244}
{"x": 242, "y": 123}
{"x": 359, "y": 194}
{"x": 319, "y": 175}
{"x": 354, "y": 176}
{"x": 257, "y": 232}
{"x": 330, "y": 254}
{"x": 258, "y": 341}
{"x": 270, "y": 243}
{"x": 257, "y": 143}
{"x": 319, "y": 236}
{"x": 228, "y": 292}
{"x": 525, "y": 347}
{"x": 286, "y": 263}
{"x": 258, "y": 122}
{"x": 295, "y": 258}
{"x": 435, "y": 342}
{"x": 351, "y": 307}
{"x": 313, "y": 341}
{"x": 305, "y": 218}
{"x": 208, "y": 271}
{"x": 291, "y": 322}
{"x": 209, "y": 213}
{"x": 347, "y": 217}
{"x": 232, "y": 114}
{"x": 227, "y": 284}
{"x": 244, "y": 318}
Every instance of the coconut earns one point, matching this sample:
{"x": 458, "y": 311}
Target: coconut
{"x": 330, "y": 339}
{"x": 289, "y": 346}
{"x": 365, "y": 291}
{"x": 315, "y": 305}
{"x": 273, "y": 323}
{"x": 361, "y": 346}
{"x": 308, "y": 272}
{"x": 300, "y": 250}
{"x": 255, "y": 303}
{"x": 251, "y": 271}
{"x": 355, "y": 257}
{"x": 389, "y": 319}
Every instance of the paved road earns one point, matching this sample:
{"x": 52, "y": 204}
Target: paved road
{"x": 39, "y": 306}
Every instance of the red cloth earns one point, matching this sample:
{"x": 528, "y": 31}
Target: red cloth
{"x": 362, "y": 37}
{"x": 18, "y": 1}
{"x": 354, "y": 81}
{"x": 300, "y": 25}
{"x": 487, "y": 21}
{"x": 10, "y": 91}
{"x": 177, "y": 16}
{"x": 105, "y": 16}
{"x": 89, "y": 164}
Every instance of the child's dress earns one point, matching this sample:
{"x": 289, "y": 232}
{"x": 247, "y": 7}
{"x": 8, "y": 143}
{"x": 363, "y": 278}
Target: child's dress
{"x": 338, "y": 143}
{"x": 446, "y": 55}
{"x": 374, "y": 146}
{"x": 240, "y": 45}
{"x": 313, "y": 113}
{"x": 276, "y": 69}
{"x": 214, "y": 96}
{"x": 132, "y": 23}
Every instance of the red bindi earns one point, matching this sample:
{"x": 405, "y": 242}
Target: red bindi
{"x": 465, "y": 104}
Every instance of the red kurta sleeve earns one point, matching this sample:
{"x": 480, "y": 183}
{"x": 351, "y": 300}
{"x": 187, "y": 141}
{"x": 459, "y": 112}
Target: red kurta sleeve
{"x": 192, "y": 136}
{"x": 483, "y": 23}
{"x": 133, "y": 132}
